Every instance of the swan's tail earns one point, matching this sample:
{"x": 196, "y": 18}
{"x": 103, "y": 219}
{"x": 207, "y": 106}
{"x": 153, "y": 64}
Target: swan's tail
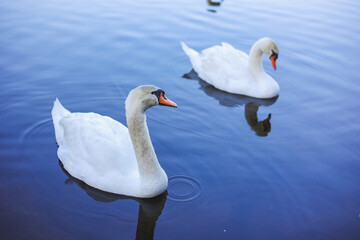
{"x": 193, "y": 55}
{"x": 58, "y": 112}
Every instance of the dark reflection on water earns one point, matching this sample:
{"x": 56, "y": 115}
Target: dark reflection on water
{"x": 149, "y": 209}
{"x": 261, "y": 128}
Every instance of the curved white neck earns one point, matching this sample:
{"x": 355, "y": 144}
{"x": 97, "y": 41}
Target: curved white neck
{"x": 147, "y": 161}
{"x": 255, "y": 59}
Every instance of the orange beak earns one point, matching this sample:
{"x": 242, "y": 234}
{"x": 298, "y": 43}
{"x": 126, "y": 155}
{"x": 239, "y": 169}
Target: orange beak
{"x": 165, "y": 101}
{"x": 273, "y": 61}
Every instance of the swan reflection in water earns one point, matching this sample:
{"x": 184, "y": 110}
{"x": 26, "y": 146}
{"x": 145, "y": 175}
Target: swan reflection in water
{"x": 261, "y": 128}
{"x": 149, "y": 208}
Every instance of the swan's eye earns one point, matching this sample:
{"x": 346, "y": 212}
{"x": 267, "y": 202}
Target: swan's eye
{"x": 159, "y": 93}
{"x": 274, "y": 54}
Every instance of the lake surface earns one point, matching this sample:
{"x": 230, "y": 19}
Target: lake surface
{"x": 232, "y": 175}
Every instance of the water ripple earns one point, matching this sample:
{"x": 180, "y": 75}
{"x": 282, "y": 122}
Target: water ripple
{"x": 183, "y": 188}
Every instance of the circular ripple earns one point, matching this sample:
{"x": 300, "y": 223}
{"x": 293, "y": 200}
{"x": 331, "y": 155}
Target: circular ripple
{"x": 183, "y": 188}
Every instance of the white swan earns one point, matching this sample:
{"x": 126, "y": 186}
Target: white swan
{"x": 231, "y": 70}
{"x": 108, "y": 156}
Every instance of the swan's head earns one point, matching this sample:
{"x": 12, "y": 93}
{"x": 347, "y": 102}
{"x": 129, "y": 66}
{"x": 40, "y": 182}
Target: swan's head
{"x": 145, "y": 97}
{"x": 270, "y": 48}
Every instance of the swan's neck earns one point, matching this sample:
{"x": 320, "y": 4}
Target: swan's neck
{"x": 147, "y": 161}
{"x": 255, "y": 60}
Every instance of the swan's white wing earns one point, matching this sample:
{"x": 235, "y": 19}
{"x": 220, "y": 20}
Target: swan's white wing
{"x": 93, "y": 146}
{"x": 225, "y": 67}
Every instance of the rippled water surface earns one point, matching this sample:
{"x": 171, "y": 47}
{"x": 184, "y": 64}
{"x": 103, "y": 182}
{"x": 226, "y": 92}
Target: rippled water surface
{"x": 233, "y": 173}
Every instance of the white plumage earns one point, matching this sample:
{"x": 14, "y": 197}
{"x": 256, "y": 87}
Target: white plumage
{"x": 231, "y": 70}
{"x": 105, "y": 154}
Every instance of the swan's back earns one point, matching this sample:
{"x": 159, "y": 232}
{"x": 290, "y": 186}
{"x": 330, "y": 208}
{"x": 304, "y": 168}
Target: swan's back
{"x": 224, "y": 67}
{"x": 95, "y": 149}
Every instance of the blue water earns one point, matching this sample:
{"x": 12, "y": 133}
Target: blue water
{"x": 234, "y": 174}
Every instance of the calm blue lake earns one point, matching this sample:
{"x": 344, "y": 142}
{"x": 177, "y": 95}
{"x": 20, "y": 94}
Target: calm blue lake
{"x": 232, "y": 175}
